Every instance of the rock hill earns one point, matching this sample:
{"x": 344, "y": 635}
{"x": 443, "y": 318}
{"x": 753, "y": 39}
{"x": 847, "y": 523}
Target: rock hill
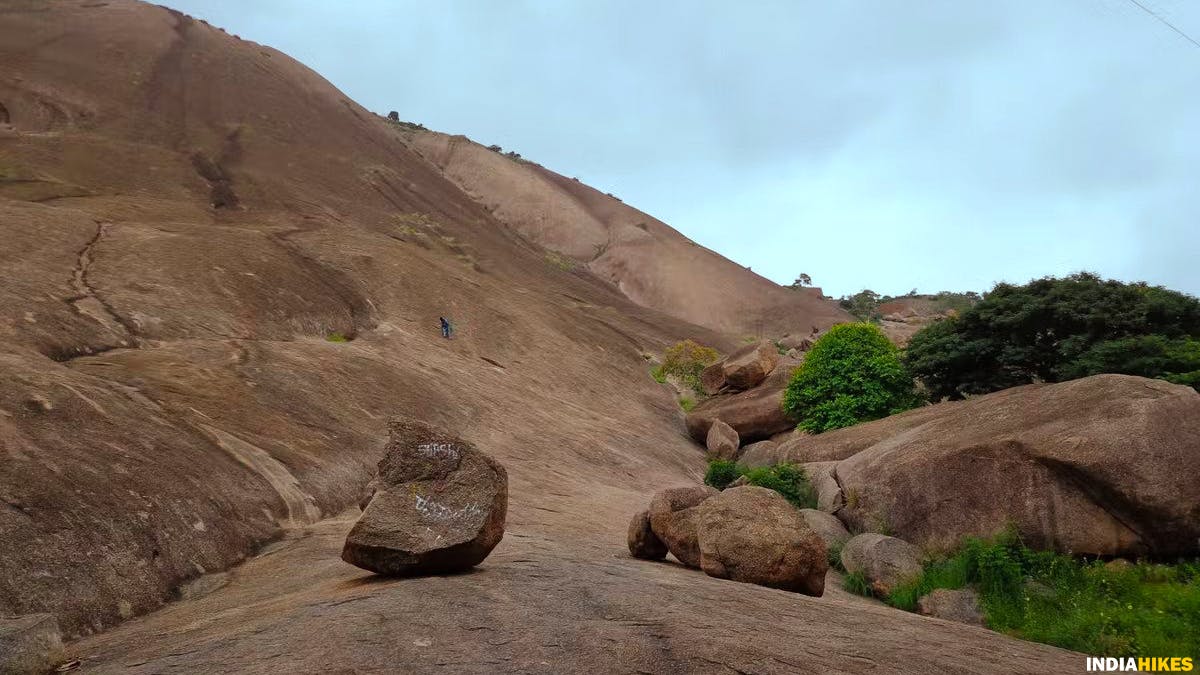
{"x": 219, "y": 279}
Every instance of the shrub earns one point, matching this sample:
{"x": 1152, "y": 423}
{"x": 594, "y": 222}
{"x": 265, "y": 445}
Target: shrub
{"x": 786, "y": 479}
{"x": 336, "y": 337}
{"x": 686, "y": 360}
{"x": 657, "y": 373}
{"x": 687, "y": 403}
{"x": 852, "y": 374}
{"x": 721, "y": 472}
{"x": 1057, "y": 329}
{"x": 1136, "y": 610}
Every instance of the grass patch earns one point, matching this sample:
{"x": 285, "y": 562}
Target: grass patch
{"x": 788, "y": 480}
{"x": 687, "y": 403}
{"x": 657, "y": 373}
{"x": 336, "y": 337}
{"x": 1140, "y": 609}
{"x": 857, "y": 584}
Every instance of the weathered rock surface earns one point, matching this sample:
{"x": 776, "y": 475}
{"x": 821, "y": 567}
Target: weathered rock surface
{"x": 712, "y": 378}
{"x": 827, "y": 526}
{"x": 439, "y": 506}
{"x": 823, "y": 477}
{"x": 29, "y": 644}
{"x": 884, "y": 561}
{"x": 722, "y": 441}
{"x": 756, "y": 414}
{"x": 752, "y": 534}
{"x": 673, "y": 517}
{"x": 1104, "y": 465}
{"x": 758, "y": 454}
{"x": 642, "y": 541}
{"x": 961, "y": 605}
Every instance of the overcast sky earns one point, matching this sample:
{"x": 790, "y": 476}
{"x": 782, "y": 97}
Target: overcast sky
{"x": 936, "y": 144}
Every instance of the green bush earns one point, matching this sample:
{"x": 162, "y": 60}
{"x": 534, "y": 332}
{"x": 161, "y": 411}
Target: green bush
{"x": 852, "y": 374}
{"x": 786, "y": 479}
{"x": 721, "y": 472}
{"x": 1135, "y": 610}
{"x": 1051, "y": 330}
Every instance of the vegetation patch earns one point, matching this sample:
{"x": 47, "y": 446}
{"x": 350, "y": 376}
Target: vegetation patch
{"x": 1113, "y": 609}
{"x": 788, "y": 480}
{"x": 336, "y": 337}
{"x": 560, "y": 261}
{"x": 687, "y": 403}
{"x": 852, "y": 374}
{"x": 1051, "y": 330}
{"x": 685, "y": 360}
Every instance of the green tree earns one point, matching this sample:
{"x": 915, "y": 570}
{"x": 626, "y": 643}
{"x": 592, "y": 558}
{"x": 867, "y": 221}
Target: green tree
{"x": 864, "y": 304}
{"x": 686, "y": 359}
{"x": 1057, "y": 329}
{"x": 852, "y": 374}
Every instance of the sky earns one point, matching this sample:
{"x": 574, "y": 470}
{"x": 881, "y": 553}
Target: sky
{"x": 883, "y": 144}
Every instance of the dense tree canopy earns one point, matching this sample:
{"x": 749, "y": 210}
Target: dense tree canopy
{"x": 1058, "y": 329}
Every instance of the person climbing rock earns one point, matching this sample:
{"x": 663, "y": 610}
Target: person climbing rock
{"x": 445, "y": 327}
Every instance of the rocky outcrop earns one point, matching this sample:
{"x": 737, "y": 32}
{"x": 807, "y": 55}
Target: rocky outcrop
{"x": 439, "y": 506}
{"x": 823, "y": 477}
{"x": 756, "y": 414}
{"x": 642, "y": 541}
{"x": 29, "y": 644}
{"x": 722, "y": 441}
{"x": 673, "y": 517}
{"x": 752, "y": 534}
{"x": 1103, "y": 465}
{"x": 885, "y": 562}
{"x": 961, "y": 605}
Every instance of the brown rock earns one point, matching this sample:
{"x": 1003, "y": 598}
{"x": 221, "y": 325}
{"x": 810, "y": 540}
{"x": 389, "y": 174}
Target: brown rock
{"x": 29, "y": 644}
{"x": 722, "y": 441}
{"x": 439, "y": 506}
{"x": 827, "y": 526}
{"x": 712, "y": 378}
{"x": 643, "y": 543}
{"x": 1103, "y": 465}
{"x": 752, "y": 534}
{"x": 673, "y": 517}
{"x": 758, "y": 454}
{"x": 961, "y": 605}
{"x": 756, "y": 414}
{"x": 750, "y": 365}
{"x": 884, "y": 561}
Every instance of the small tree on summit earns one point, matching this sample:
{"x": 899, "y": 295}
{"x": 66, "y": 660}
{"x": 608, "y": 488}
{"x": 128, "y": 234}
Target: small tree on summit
{"x": 394, "y": 116}
{"x": 802, "y": 281}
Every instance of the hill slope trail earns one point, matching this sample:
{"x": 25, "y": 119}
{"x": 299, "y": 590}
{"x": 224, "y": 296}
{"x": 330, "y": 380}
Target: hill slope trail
{"x": 220, "y": 277}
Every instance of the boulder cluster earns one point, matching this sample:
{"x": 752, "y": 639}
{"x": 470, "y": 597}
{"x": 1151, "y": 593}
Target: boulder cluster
{"x": 745, "y": 533}
{"x": 1100, "y": 466}
{"x": 436, "y": 505}
{"x": 745, "y": 392}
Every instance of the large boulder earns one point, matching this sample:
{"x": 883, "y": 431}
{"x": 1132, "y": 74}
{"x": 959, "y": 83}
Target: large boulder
{"x": 1104, "y": 465}
{"x": 439, "y": 506}
{"x": 823, "y": 477}
{"x": 756, "y": 414}
{"x": 30, "y": 644}
{"x": 743, "y": 369}
{"x": 885, "y": 562}
{"x": 642, "y": 541}
{"x": 758, "y": 454}
{"x": 722, "y": 441}
{"x": 754, "y": 535}
{"x": 673, "y": 517}
{"x": 749, "y": 366}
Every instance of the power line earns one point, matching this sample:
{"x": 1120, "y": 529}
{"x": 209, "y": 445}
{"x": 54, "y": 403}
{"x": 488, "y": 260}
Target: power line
{"x": 1166, "y": 23}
